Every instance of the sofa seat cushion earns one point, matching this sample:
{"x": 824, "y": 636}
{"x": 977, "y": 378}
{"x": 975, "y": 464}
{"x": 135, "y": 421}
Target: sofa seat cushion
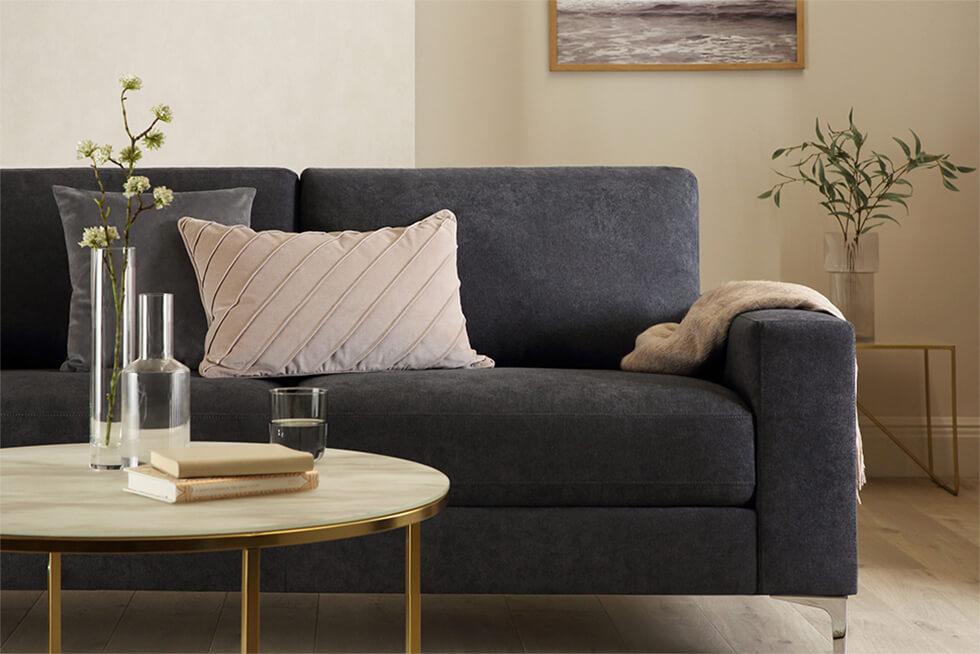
{"x": 549, "y": 437}
{"x": 39, "y": 407}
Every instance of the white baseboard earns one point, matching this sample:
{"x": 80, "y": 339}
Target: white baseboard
{"x": 884, "y": 459}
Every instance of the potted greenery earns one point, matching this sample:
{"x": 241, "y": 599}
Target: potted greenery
{"x": 861, "y": 189}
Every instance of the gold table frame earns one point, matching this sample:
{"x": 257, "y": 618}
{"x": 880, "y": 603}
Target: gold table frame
{"x": 250, "y": 545}
{"x": 927, "y": 466}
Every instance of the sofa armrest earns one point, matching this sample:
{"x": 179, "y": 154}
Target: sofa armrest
{"x": 795, "y": 369}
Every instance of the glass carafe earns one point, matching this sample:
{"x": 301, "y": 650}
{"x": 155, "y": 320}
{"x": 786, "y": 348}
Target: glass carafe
{"x": 156, "y": 392}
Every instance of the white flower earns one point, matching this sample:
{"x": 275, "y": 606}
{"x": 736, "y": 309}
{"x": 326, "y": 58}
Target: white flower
{"x": 130, "y": 154}
{"x": 102, "y": 153}
{"x": 85, "y": 149}
{"x": 162, "y": 197}
{"x": 95, "y": 237}
{"x": 153, "y": 139}
{"x": 135, "y": 185}
{"x": 131, "y": 82}
{"x": 163, "y": 113}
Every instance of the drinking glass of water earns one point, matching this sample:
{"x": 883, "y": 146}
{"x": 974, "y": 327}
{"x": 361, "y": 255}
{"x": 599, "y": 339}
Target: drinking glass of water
{"x": 299, "y": 419}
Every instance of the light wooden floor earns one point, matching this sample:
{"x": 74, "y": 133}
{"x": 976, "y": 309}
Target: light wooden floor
{"x": 918, "y": 593}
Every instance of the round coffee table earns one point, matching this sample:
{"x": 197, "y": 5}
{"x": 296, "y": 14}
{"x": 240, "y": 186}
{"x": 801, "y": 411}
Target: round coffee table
{"x": 50, "y": 501}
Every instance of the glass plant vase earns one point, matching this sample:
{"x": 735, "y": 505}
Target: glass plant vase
{"x": 852, "y": 267}
{"x": 156, "y": 392}
{"x": 113, "y": 283}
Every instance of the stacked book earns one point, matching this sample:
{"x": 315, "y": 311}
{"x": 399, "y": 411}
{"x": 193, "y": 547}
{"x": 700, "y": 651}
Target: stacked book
{"x": 214, "y": 472}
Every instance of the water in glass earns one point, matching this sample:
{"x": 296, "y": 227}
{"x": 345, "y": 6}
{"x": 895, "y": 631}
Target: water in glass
{"x": 299, "y": 419}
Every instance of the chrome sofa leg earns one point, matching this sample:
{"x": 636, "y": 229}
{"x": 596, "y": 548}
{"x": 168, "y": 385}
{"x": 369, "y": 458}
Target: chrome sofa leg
{"x": 836, "y": 608}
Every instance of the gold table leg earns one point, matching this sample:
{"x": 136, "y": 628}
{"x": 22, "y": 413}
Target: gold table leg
{"x": 925, "y": 363}
{"x": 956, "y": 440}
{"x": 413, "y": 591}
{"x": 54, "y": 602}
{"x": 250, "y": 601}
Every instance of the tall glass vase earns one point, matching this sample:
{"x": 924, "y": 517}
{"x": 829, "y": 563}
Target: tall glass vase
{"x": 113, "y": 279}
{"x": 852, "y": 267}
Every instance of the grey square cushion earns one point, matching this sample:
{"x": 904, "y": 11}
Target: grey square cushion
{"x": 161, "y": 260}
{"x": 505, "y": 437}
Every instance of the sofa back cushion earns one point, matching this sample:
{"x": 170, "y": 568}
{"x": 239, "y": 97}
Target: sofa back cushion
{"x": 560, "y": 267}
{"x": 34, "y": 280}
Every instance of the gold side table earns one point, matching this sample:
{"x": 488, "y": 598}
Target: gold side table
{"x": 928, "y": 465}
{"x": 51, "y": 502}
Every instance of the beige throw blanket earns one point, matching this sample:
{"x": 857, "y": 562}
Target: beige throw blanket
{"x": 681, "y": 349}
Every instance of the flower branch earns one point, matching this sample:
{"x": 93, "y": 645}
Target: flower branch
{"x": 105, "y": 234}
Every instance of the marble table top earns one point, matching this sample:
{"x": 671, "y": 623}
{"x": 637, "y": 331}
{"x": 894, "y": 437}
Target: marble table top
{"x": 49, "y": 491}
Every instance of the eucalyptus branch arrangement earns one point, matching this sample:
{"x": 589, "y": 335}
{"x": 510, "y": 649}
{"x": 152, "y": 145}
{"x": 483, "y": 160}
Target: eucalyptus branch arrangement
{"x": 860, "y": 187}
{"x": 104, "y": 234}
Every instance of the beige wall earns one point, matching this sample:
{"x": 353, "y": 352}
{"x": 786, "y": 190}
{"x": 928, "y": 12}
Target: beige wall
{"x": 286, "y": 83}
{"x": 484, "y": 96}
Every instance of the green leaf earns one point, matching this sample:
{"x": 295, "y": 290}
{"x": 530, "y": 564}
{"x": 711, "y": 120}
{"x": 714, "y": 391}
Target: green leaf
{"x": 905, "y": 147}
{"x": 903, "y": 182}
{"x": 819, "y": 133}
{"x": 850, "y": 117}
{"x": 778, "y": 153}
{"x": 884, "y": 216}
{"x": 948, "y": 185}
{"x": 895, "y": 197}
{"x": 763, "y": 196}
{"x": 948, "y": 173}
{"x": 775, "y": 198}
{"x": 965, "y": 169}
{"x": 918, "y": 143}
{"x": 846, "y": 174}
{"x": 829, "y": 205}
{"x": 872, "y": 226}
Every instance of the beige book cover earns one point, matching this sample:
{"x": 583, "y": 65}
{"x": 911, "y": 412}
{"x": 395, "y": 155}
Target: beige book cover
{"x": 149, "y": 482}
{"x": 230, "y": 460}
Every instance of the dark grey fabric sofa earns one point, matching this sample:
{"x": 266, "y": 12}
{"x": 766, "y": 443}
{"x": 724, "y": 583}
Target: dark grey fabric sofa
{"x": 568, "y": 475}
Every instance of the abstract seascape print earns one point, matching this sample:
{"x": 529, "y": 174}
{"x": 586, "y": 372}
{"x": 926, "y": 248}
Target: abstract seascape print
{"x": 754, "y": 33}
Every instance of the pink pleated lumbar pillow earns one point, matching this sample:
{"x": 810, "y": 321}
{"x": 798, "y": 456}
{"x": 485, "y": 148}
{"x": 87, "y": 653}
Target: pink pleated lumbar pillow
{"x": 281, "y": 304}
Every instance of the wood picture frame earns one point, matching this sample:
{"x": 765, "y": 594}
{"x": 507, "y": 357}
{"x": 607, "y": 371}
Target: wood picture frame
{"x": 798, "y": 63}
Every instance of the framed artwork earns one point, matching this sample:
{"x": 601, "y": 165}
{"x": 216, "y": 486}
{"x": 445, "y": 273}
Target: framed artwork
{"x": 676, "y": 34}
